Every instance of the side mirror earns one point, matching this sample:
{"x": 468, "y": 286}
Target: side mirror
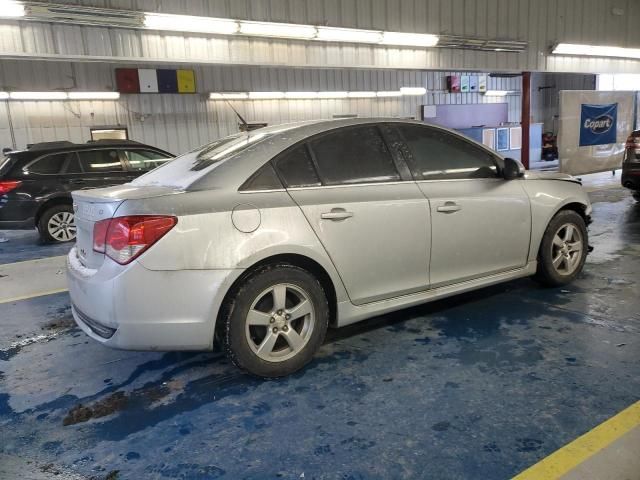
{"x": 512, "y": 169}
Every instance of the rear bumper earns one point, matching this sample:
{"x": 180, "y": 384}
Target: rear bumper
{"x": 132, "y": 308}
{"x": 630, "y": 177}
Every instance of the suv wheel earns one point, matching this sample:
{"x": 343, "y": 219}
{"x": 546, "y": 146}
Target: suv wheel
{"x": 276, "y": 321}
{"x": 563, "y": 250}
{"x": 56, "y": 224}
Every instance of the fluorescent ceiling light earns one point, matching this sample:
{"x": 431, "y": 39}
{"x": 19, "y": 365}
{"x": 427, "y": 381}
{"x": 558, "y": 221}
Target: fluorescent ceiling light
{"x": 413, "y": 90}
{"x": 332, "y": 94}
{"x": 265, "y": 95}
{"x": 38, "y": 95}
{"x": 497, "y": 93}
{"x": 596, "y": 51}
{"x": 396, "y": 93}
{"x": 409, "y": 39}
{"x": 331, "y": 34}
{"x": 187, "y": 23}
{"x": 229, "y": 96}
{"x": 361, "y": 94}
{"x": 299, "y": 95}
{"x": 11, "y": 9}
{"x": 4, "y": 95}
{"x": 286, "y": 30}
{"x": 94, "y": 95}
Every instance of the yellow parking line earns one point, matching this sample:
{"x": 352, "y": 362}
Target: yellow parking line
{"x": 573, "y": 454}
{"x": 33, "y": 295}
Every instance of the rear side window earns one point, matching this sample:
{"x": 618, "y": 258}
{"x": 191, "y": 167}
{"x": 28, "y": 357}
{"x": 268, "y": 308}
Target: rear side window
{"x": 264, "y": 179}
{"x": 296, "y": 168}
{"x": 144, "y": 160}
{"x": 437, "y": 155}
{"x": 353, "y": 155}
{"x": 49, "y": 165}
{"x": 100, "y": 161}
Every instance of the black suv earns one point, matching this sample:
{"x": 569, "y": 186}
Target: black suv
{"x": 36, "y": 183}
{"x": 631, "y": 164}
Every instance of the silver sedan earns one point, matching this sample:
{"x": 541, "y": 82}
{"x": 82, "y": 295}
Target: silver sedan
{"x": 260, "y": 241}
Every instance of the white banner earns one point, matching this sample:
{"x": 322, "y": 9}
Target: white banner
{"x": 574, "y": 119}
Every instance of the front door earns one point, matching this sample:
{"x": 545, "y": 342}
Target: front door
{"x": 373, "y": 224}
{"x": 481, "y": 223}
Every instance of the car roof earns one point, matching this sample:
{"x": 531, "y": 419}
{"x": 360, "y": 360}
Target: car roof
{"x": 280, "y": 137}
{"x": 41, "y": 148}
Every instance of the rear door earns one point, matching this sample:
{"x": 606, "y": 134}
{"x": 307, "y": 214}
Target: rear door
{"x": 481, "y": 223}
{"x": 101, "y": 168}
{"x": 372, "y": 220}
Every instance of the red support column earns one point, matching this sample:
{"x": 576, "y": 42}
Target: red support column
{"x": 526, "y": 118}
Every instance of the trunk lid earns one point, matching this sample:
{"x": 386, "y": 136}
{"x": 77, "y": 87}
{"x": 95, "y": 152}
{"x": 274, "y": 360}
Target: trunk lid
{"x": 91, "y": 206}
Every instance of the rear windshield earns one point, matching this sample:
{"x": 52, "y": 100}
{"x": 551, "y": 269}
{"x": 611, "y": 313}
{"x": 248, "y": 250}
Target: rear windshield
{"x": 185, "y": 169}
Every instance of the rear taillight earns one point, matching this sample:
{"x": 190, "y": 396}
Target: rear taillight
{"x": 125, "y": 238}
{"x": 7, "y": 185}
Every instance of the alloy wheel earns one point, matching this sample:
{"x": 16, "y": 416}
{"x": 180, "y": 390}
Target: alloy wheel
{"x": 61, "y": 226}
{"x": 566, "y": 249}
{"x": 280, "y": 322}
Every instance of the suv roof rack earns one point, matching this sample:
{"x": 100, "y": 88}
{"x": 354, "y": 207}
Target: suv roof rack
{"x": 45, "y": 145}
{"x": 113, "y": 140}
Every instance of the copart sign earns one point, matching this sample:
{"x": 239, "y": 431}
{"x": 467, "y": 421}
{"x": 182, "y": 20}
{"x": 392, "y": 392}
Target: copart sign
{"x": 598, "y": 124}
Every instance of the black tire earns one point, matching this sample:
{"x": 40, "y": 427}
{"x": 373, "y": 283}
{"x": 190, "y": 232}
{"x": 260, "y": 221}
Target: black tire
{"x": 636, "y": 195}
{"x": 547, "y": 273}
{"x": 48, "y": 234}
{"x": 240, "y": 342}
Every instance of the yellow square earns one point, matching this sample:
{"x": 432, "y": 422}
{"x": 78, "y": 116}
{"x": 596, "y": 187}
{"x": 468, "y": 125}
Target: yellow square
{"x": 186, "y": 81}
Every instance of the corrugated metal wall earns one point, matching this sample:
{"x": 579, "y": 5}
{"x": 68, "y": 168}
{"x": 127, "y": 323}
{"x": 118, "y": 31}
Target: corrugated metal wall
{"x": 541, "y": 23}
{"x": 181, "y": 122}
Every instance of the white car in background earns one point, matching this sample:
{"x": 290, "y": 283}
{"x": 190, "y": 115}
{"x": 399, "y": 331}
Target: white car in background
{"x": 264, "y": 239}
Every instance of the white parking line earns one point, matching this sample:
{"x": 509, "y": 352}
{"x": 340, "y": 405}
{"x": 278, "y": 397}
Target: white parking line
{"x": 32, "y": 278}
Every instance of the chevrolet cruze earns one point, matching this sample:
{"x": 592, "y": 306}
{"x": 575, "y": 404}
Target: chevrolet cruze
{"x": 263, "y": 240}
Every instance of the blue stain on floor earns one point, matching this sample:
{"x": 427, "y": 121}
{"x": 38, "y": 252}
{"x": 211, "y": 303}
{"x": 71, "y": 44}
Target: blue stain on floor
{"x": 480, "y": 385}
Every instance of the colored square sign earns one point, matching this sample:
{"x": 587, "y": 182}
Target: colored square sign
{"x": 167, "y": 81}
{"x": 598, "y": 124}
{"x": 186, "y": 81}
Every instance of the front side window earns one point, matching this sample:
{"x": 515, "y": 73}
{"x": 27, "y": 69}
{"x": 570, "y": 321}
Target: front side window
{"x": 49, "y": 165}
{"x": 437, "y": 155}
{"x": 100, "y": 161}
{"x": 353, "y": 155}
{"x": 296, "y": 168}
{"x": 144, "y": 160}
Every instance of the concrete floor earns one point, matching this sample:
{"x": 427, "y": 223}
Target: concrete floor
{"x": 482, "y": 385}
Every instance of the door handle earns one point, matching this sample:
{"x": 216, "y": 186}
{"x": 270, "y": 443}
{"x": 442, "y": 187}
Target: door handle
{"x": 77, "y": 181}
{"x": 336, "y": 214}
{"x": 449, "y": 207}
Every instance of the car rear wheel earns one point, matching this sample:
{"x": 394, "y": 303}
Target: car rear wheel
{"x": 57, "y": 224}
{"x": 563, "y": 250}
{"x": 276, "y": 321}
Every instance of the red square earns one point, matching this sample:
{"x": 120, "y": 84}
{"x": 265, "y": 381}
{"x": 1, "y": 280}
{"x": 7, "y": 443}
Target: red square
{"x": 127, "y": 80}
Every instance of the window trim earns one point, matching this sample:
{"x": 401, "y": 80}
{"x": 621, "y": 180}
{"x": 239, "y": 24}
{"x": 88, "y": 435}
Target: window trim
{"x": 419, "y": 177}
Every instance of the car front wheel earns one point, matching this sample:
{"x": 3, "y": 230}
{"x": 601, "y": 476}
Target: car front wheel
{"x": 57, "y": 224}
{"x": 563, "y": 250}
{"x": 276, "y": 321}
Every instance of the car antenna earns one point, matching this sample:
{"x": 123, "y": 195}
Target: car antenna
{"x": 243, "y": 122}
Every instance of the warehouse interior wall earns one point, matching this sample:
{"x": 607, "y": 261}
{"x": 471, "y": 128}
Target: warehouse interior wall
{"x": 545, "y": 93}
{"x": 181, "y": 122}
{"x": 541, "y": 24}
